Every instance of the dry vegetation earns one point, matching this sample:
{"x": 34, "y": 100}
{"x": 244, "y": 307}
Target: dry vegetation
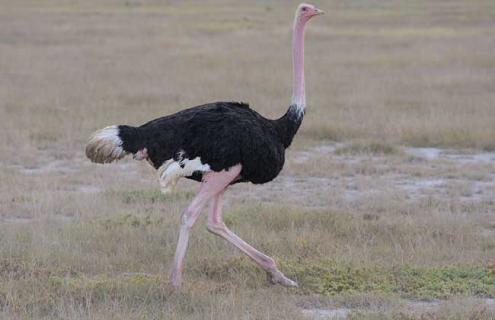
{"x": 367, "y": 224}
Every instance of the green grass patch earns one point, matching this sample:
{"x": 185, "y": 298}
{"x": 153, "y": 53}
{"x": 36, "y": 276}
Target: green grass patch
{"x": 406, "y": 282}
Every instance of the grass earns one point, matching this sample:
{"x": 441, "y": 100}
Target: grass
{"x": 151, "y": 195}
{"x": 370, "y": 76}
{"x": 88, "y": 264}
{"x": 407, "y": 282}
{"x": 23, "y": 292}
{"x": 372, "y": 148}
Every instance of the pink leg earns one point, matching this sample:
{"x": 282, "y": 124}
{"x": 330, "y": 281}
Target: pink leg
{"x": 215, "y": 225}
{"x": 213, "y": 183}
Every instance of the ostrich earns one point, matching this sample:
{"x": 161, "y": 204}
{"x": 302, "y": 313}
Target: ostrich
{"x": 217, "y": 144}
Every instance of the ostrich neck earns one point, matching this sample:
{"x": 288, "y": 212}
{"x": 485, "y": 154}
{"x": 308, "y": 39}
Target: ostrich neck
{"x": 290, "y": 122}
{"x": 298, "y": 92}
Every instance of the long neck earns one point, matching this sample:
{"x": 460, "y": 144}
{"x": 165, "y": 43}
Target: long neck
{"x": 298, "y": 92}
{"x": 289, "y": 123}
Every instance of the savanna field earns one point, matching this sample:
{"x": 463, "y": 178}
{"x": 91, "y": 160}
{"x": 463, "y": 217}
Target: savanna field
{"x": 385, "y": 207}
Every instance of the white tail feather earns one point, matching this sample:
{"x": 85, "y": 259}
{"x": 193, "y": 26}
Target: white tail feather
{"x": 105, "y": 145}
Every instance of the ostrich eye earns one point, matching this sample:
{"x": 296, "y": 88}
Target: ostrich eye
{"x": 305, "y": 9}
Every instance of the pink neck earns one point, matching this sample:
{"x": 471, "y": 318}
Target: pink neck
{"x": 298, "y": 94}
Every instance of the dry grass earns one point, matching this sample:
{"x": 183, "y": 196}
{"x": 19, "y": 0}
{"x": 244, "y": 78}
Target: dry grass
{"x": 361, "y": 225}
{"x": 417, "y": 73}
{"x": 115, "y": 250}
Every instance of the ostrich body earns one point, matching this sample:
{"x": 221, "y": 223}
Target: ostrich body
{"x": 217, "y": 144}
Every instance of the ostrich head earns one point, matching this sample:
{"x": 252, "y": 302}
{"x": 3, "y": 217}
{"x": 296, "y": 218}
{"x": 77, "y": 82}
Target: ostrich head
{"x": 306, "y": 11}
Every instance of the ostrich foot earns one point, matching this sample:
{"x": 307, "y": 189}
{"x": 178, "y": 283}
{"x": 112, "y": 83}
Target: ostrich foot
{"x": 277, "y": 277}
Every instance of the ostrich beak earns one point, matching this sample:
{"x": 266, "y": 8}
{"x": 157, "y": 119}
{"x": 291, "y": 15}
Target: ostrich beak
{"x": 319, "y": 12}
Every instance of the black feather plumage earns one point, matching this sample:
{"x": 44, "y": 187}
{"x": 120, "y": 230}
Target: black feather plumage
{"x": 222, "y": 134}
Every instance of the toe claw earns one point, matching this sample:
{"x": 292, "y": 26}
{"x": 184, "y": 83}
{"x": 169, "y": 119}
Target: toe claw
{"x": 277, "y": 277}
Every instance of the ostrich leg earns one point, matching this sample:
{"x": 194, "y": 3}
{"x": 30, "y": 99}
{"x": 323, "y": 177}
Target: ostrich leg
{"x": 213, "y": 183}
{"x": 215, "y": 225}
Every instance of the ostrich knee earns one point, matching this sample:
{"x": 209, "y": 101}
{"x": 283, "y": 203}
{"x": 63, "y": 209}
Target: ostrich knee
{"x": 216, "y": 228}
{"x": 188, "y": 219}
